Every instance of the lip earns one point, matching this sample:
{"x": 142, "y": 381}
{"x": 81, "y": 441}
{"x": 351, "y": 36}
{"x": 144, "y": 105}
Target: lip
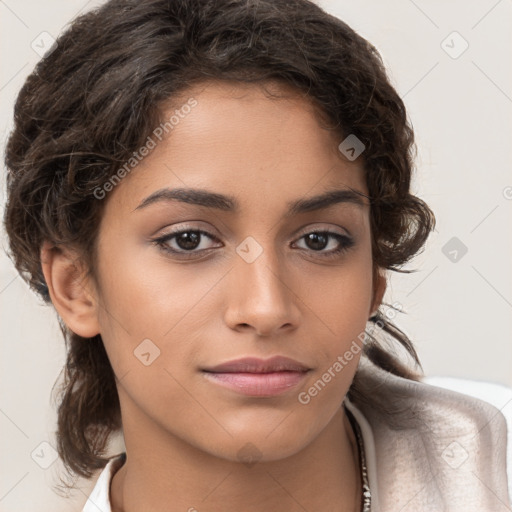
{"x": 256, "y": 377}
{"x": 257, "y": 365}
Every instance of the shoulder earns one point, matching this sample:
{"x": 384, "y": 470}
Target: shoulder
{"x": 435, "y": 448}
{"x": 496, "y": 394}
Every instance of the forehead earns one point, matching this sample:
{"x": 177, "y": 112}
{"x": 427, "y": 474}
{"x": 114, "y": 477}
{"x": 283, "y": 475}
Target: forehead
{"x": 235, "y": 138}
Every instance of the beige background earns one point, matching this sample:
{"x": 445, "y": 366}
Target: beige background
{"x": 458, "y": 313}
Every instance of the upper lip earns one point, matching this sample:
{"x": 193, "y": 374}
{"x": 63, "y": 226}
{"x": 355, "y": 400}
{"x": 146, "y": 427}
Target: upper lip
{"x": 257, "y": 365}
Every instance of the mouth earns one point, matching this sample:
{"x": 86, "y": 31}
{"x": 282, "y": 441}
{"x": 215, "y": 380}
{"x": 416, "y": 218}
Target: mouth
{"x": 257, "y": 377}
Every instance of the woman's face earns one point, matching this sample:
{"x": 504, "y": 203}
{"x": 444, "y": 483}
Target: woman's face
{"x": 246, "y": 278}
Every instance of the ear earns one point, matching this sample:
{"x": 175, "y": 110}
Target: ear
{"x": 70, "y": 290}
{"x": 379, "y": 288}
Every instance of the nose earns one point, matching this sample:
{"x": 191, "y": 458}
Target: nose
{"x": 261, "y": 297}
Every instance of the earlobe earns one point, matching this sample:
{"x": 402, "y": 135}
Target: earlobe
{"x": 70, "y": 290}
{"x": 379, "y": 289}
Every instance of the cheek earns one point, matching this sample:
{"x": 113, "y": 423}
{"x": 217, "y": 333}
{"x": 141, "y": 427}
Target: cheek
{"x": 154, "y": 318}
{"x": 149, "y": 293}
{"x": 339, "y": 309}
{"x": 340, "y": 297}
{"x": 151, "y": 320}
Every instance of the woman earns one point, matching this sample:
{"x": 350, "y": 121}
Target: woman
{"x": 210, "y": 194}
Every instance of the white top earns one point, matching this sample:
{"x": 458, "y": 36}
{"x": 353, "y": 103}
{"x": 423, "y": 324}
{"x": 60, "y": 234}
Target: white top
{"x": 99, "y": 499}
{"x": 412, "y": 477}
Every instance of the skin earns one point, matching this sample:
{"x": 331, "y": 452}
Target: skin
{"x": 183, "y": 433}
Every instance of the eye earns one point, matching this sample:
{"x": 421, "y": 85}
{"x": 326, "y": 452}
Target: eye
{"x": 185, "y": 241}
{"x": 189, "y": 242}
{"x": 317, "y": 241}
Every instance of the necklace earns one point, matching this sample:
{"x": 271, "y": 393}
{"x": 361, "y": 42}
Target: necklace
{"x": 366, "y": 498}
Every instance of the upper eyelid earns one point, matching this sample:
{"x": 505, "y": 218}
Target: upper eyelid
{"x": 185, "y": 229}
{"x": 298, "y": 233}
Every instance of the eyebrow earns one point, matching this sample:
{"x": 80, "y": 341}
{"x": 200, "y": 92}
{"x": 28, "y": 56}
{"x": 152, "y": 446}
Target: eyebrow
{"x": 230, "y": 204}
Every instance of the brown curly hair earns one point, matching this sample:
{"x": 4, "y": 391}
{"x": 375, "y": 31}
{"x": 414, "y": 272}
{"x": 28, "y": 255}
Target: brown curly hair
{"x": 99, "y": 93}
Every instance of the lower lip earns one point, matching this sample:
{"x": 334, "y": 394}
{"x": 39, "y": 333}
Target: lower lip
{"x": 258, "y": 384}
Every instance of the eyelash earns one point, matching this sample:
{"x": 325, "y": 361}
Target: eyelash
{"x": 345, "y": 242}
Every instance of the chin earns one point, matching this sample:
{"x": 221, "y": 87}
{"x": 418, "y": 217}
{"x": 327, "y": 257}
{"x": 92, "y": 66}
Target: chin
{"x": 258, "y": 447}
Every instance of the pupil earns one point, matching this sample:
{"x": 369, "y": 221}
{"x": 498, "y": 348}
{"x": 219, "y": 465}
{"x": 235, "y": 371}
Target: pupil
{"x": 188, "y": 240}
{"x": 314, "y": 237}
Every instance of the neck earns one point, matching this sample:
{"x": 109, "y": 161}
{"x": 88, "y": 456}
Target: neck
{"x": 170, "y": 475}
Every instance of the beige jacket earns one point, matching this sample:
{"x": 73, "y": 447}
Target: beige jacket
{"x": 429, "y": 448}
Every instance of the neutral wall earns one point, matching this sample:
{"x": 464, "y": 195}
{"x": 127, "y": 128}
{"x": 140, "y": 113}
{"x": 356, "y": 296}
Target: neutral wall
{"x": 458, "y": 308}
